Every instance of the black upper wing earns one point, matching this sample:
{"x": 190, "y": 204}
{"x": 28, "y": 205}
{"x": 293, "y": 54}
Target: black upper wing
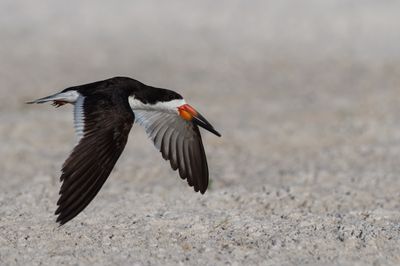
{"x": 179, "y": 141}
{"x": 106, "y": 125}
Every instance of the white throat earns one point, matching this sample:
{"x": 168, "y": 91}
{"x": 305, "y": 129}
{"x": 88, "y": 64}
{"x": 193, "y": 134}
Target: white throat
{"x": 166, "y": 107}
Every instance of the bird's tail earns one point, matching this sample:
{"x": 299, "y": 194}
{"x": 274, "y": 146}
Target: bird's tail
{"x": 58, "y": 99}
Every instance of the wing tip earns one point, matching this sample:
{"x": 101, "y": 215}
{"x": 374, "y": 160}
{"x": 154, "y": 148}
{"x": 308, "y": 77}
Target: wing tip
{"x": 203, "y": 190}
{"x": 61, "y": 222}
{"x": 63, "y": 218}
{"x": 59, "y": 219}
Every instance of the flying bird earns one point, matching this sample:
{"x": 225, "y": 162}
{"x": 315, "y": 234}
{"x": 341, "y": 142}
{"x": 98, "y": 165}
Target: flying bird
{"x": 104, "y": 112}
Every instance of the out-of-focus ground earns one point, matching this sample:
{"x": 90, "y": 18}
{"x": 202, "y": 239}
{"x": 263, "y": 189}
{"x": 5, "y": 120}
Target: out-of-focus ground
{"x": 305, "y": 93}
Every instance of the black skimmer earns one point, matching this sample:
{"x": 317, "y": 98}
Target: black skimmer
{"x": 104, "y": 113}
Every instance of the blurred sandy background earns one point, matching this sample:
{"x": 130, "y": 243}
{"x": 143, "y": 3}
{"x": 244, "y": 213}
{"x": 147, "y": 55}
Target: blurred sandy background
{"x": 305, "y": 93}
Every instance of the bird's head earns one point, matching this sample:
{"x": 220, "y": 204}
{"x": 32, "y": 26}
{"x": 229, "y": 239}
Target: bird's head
{"x": 188, "y": 113}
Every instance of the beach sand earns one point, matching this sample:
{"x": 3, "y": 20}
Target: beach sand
{"x": 306, "y": 95}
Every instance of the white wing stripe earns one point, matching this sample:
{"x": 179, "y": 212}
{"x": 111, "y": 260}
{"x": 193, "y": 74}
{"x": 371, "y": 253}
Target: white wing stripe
{"x": 79, "y": 117}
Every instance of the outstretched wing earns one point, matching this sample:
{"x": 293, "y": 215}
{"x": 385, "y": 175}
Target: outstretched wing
{"x": 179, "y": 141}
{"x": 102, "y": 126}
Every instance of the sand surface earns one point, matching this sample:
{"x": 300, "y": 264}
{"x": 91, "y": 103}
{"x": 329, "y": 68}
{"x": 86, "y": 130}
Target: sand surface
{"x": 305, "y": 93}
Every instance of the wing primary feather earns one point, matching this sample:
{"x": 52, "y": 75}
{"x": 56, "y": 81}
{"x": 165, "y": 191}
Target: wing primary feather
{"x": 161, "y": 134}
{"x": 73, "y": 189}
{"x": 107, "y": 123}
{"x": 165, "y": 143}
{"x": 74, "y": 173}
{"x": 88, "y": 180}
{"x": 172, "y": 149}
{"x": 181, "y": 159}
{"x": 159, "y": 127}
{"x": 195, "y": 163}
{"x": 155, "y": 121}
{"x": 201, "y": 162}
{"x": 186, "y": 157}
{"x": 74, "y": 207}
{"x": 179, "y": 141}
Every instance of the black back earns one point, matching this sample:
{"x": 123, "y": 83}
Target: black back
{"x": 123, "y": 87}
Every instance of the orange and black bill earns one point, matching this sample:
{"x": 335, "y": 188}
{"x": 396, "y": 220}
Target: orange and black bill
{"x": 187, "y": 112}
